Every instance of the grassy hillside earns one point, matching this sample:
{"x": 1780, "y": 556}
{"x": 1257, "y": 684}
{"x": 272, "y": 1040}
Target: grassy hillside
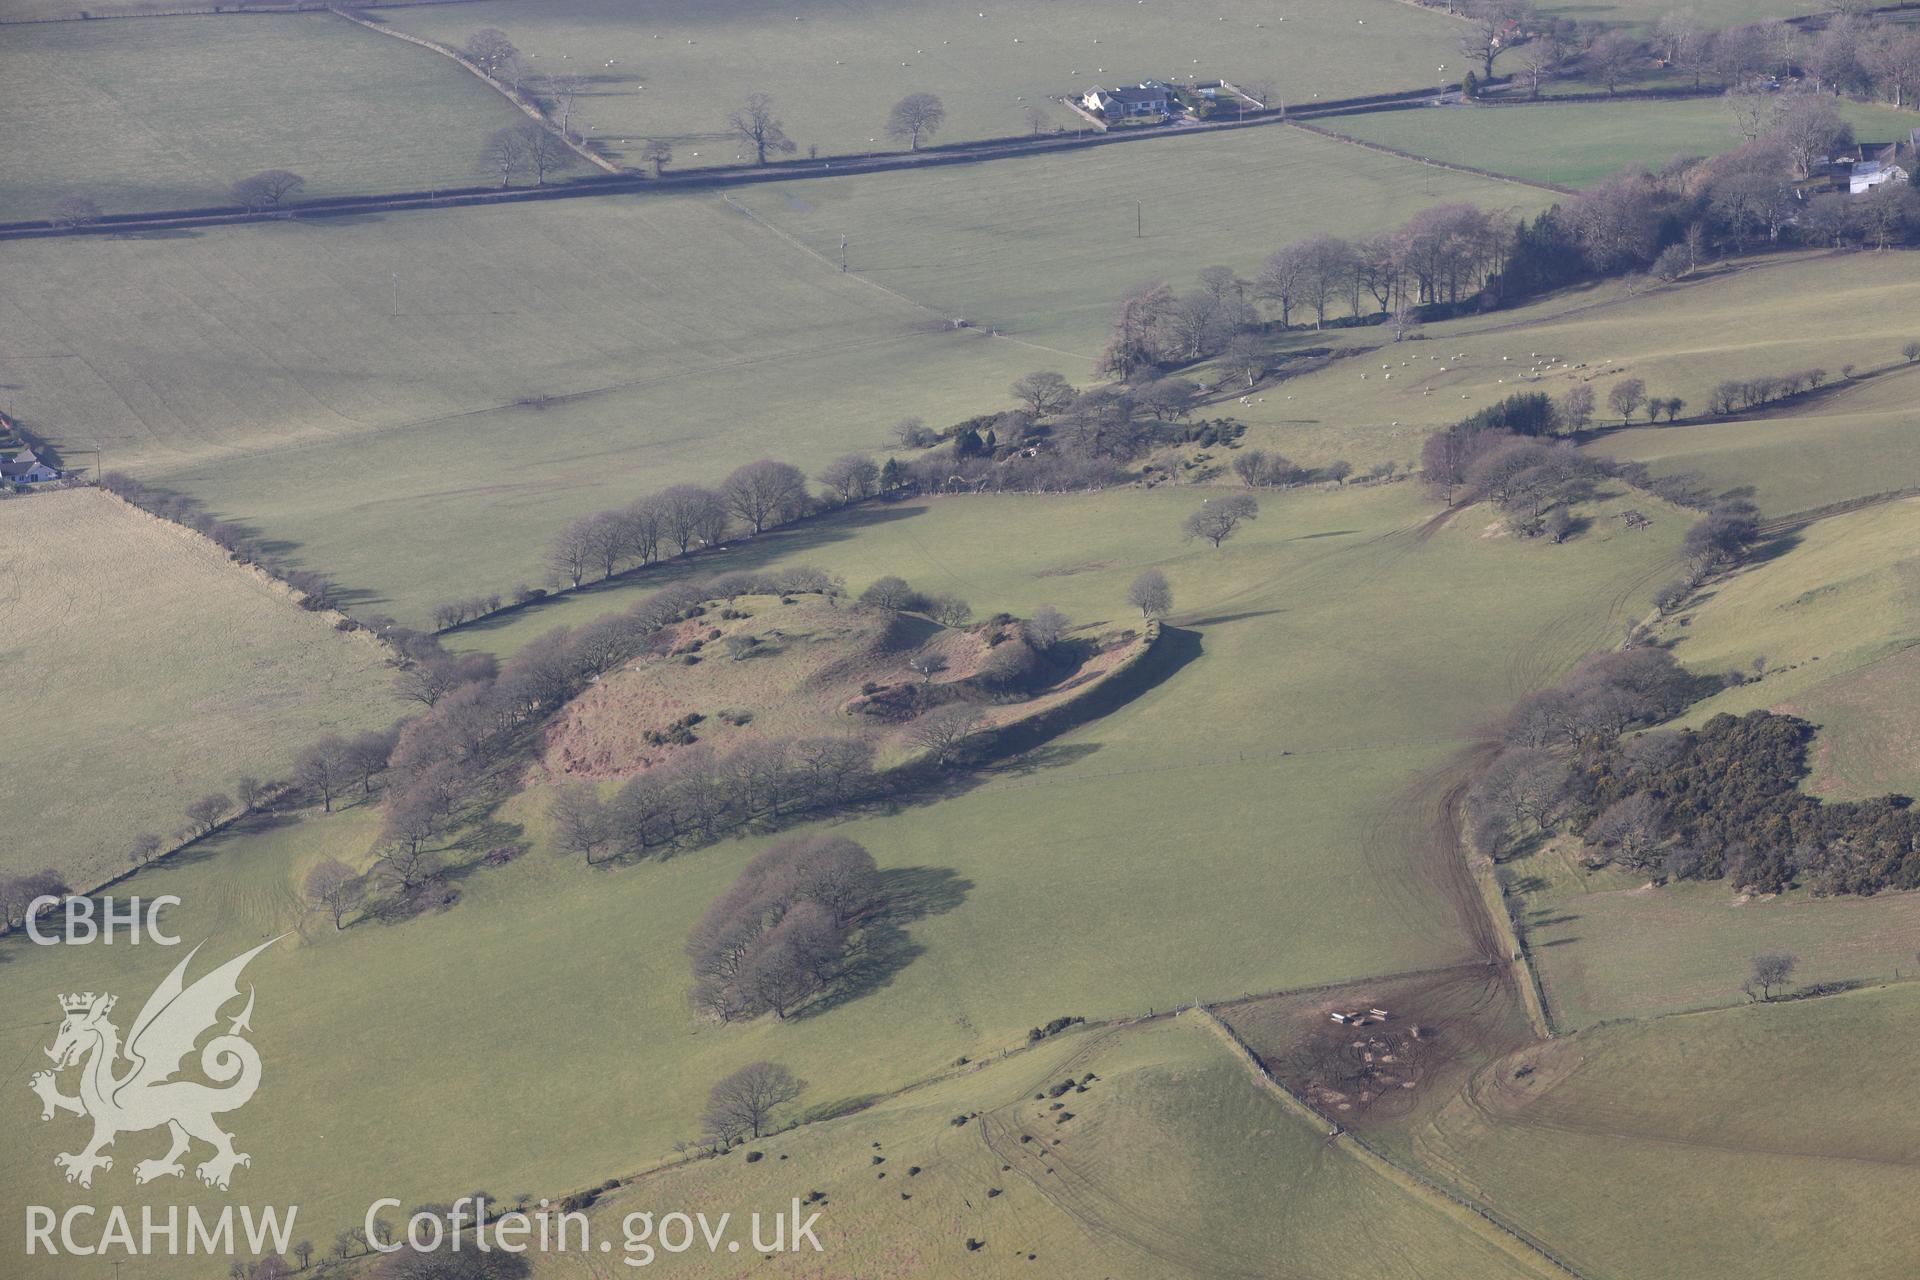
{"x": 1831, "y": 618}
{"x": 146, "y": 671}
{"x": 1694, "y": 1146}
{"x": 1681, "y": 340}
{"x": 1237, "y": 1184}
{"x": 1847, "y": 442}
{"x": 551, "y": 360}
{"x": 1578, "y": 143}
{"x": 1834, "y": 622}
{"x": 680, "y": 66}
{"x": 1020, "y": 246}
{"x": 1270, "y": 814}
{"x": 168, "y": 112}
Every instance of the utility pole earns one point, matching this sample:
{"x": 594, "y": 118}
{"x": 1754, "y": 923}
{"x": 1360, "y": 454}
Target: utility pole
{"x": 1139, "y": 223}
{"x": 396, "y": 295}
{"x": 843, "y": 255}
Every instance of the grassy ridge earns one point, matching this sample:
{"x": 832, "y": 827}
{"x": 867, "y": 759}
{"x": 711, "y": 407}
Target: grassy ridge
{"x": 1681, "y": 340}
{"x": 1235, "y": 1180}
{"x": 1694, "y": 1146}
{"x": 1273, "y": 799}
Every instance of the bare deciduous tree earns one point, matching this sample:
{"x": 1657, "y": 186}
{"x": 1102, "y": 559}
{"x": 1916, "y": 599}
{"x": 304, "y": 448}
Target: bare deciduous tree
{"x": 916, "y": 116}
{"x": 267, "y": 189}
{"x": 1771, "y": 969}
{"x": 1150, "y": 594}
{"x": 1046, "y": 628}
{"x": 1625, "y": 398}
{"x": 1490, "y": 29}
{"x": 491, "y": 51}
{"x": 580, "y": 822}
{"x": 690, "y": 514}
{"x": 1219, "y": 518}
{"x": 505, "y": 154}
{"x": 758, "y": 127}
{"x": 1043, "y": 392}
{"x": 946, "y": 731}
{"x": 250, "y": 791}
{"x": 208, "y": 810}
{"x": 850, "y": 477}
{"x": 571, "y": 552}
{"x": 766, "y": 493}
{"x": 949, "y": 610}
{"x": 334, "y": 887}
{"x": 73, "y": 212}
{"x": 322, "y": 768}
{"x": 659, "y": 153}
{"x": 744, "y": 1104}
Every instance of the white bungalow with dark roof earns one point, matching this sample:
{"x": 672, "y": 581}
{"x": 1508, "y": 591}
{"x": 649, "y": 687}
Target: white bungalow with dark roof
{"x": 27, "y": 469}
{"x": 1148, "y": 98}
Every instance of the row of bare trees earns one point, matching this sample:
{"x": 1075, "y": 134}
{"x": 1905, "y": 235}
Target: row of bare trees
{"x": 1443, "y": 254}
{"x": 699, "y": 795}
{"x": 678, "y": 520}
{"x": 317, "y": 590}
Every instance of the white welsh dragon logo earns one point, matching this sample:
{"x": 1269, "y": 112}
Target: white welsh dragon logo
{"x": 145, "y": 1095}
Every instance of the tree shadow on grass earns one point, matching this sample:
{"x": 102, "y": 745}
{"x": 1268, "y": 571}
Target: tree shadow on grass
{"x": 884, "y": 948}
{"x": 1217, "y": 619}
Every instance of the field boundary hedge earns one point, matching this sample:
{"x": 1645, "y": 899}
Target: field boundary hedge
{"x": 1384, "y": 149}
{"x": 1386, "y": 1166}
{"x": 626, "y": 182}
{"x": 520, "y": 104}
{"x": 236, "y": 7}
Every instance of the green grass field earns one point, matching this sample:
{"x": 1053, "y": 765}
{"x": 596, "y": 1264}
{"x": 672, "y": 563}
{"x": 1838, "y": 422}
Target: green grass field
{"x": 1643, "y": 14}
{"x": 1019, "y": 245}
{"x": 1850, "y": 442}
{"x": 1835, "y": 625}
{"x": 1833, "y": 617}
{"x": 679, "y": 67}
{"x": 1225, "y": 832}
{"x": 1236, "y": 1180}
{"x": 1681, "y": 340}
{"x": 549, "y": 360}
{"x": 1767, "y": 1141}
{"x": 166, "y": 113}
{"x": 1575, "y": 144}
{"x": 142, "y": 671}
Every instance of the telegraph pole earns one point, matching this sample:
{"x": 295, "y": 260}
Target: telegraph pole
{"x": 1139, "y": 223}
{"x": 843, "y": 255}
